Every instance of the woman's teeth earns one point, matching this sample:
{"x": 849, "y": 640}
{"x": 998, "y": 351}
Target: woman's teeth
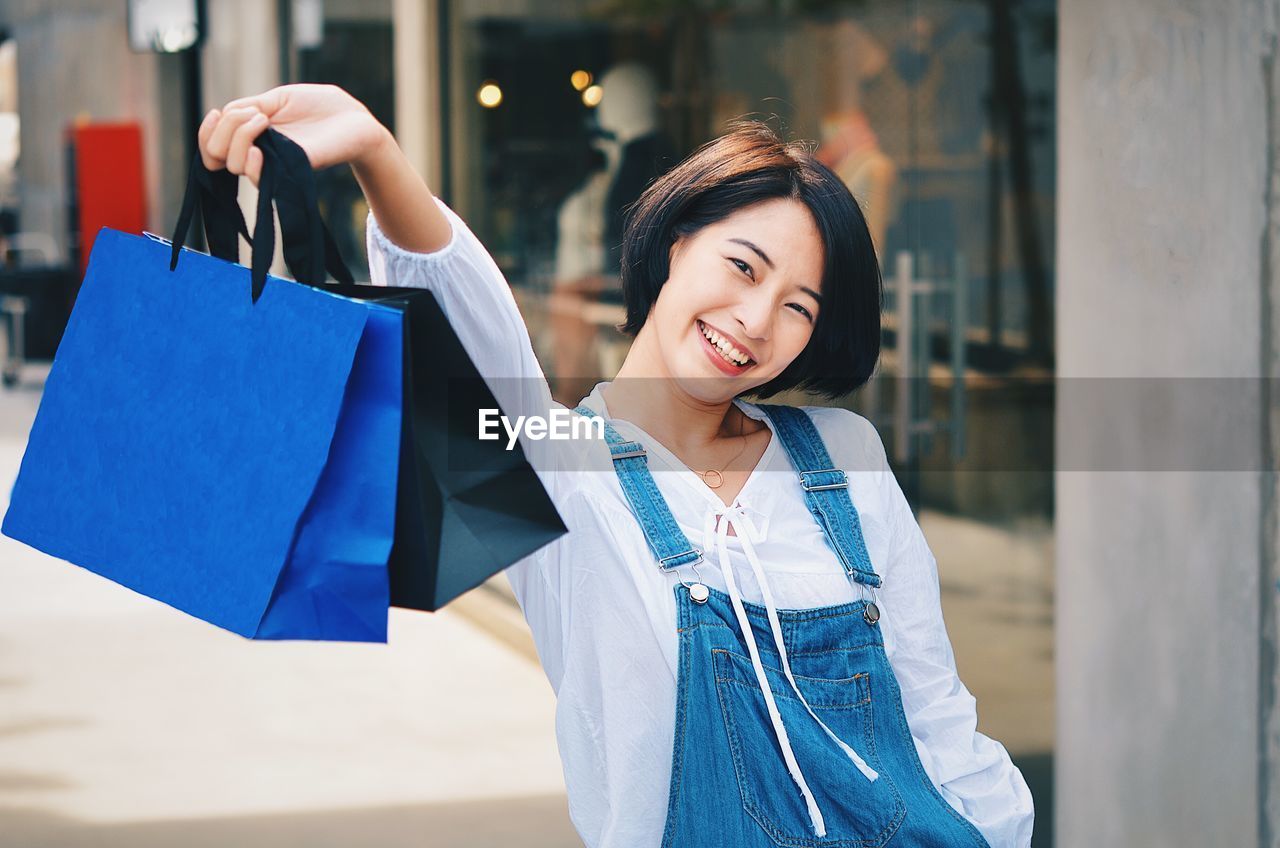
{"x": 720, "y": 343}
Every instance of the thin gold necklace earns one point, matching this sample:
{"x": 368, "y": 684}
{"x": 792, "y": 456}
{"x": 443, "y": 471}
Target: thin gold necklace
{"x": 712, "y": 477}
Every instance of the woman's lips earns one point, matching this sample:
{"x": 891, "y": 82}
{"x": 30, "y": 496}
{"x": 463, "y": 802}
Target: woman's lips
{"x": 704, "y": 326}
{"x": 719, "y": 361}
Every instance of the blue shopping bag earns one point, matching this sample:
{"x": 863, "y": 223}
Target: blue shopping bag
{"x": 234, "y": 459}
{"x": 225, "y": 457}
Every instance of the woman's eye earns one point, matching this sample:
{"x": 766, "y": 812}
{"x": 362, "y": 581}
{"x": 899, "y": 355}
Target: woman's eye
{"x": 742, "y": 266}
{"x": 806, "y": 313}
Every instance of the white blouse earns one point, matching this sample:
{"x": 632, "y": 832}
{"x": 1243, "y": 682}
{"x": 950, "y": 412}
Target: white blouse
{"x": 603, "y": 616}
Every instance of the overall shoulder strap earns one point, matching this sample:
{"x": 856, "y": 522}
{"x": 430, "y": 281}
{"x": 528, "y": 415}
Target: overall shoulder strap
{"x": 667, "y": 541}
{"x": 826, "y": 489}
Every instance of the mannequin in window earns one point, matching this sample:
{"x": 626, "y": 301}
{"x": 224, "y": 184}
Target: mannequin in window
{"x": 851, "y": 149}
{"x": 852, "y": 57}
{"x": 590, "y": 220}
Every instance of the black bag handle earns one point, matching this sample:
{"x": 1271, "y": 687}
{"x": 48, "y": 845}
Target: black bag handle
{"x": 288, "y": 181}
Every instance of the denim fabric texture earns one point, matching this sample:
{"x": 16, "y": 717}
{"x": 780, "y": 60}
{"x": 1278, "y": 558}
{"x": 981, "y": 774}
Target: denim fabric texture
{"x": 729, "y": 782}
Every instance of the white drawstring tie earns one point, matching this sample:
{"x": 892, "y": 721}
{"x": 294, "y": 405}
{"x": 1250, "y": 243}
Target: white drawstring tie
{"x": 747, "y": 533}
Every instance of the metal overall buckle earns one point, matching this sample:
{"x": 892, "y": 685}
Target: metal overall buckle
{"x": 697, "y": 590}
{"x": 870, "y": 612}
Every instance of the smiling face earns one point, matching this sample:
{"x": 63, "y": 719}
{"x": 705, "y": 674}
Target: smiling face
{"x": 741, "y": 300}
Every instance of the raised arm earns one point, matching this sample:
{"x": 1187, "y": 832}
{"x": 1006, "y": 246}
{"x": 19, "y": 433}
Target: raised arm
{"x": 414, "y": 239}
{"x": 399, "y": 198}
{"x": 467, "y": 284}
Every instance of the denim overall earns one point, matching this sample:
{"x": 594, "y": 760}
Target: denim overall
{"x": 805, "y": 714}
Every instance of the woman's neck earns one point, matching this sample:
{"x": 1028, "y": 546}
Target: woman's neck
{"x": 656, "y": 404}
{"x": 680, "y": 424}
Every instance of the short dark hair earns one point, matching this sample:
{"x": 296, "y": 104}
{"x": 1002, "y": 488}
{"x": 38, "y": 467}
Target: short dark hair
{"x": 747, "y": 165}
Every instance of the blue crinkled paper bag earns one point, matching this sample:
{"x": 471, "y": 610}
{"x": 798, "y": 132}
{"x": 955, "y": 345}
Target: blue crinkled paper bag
{"x": 235, "y": 460}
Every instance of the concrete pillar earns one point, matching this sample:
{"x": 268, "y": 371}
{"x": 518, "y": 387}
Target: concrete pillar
{"x": 241, "y": 58}
{"x": 419, "y": 107}
{"x": 1165, "y": 577}
{"x": 1269, "y": 543}
{"x": 241, "y": 51}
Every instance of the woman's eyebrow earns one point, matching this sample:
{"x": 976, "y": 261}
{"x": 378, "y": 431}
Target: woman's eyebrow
{"x": 757, "y": 250}
{"x": 813, "y": 294}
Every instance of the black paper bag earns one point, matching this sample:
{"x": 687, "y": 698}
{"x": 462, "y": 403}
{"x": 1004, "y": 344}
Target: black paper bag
{"x": 466, "y": 508}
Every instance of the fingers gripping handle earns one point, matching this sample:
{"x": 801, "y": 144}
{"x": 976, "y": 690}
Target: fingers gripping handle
{"x": 287, "y": 181}
{"x": 308, "y": 247}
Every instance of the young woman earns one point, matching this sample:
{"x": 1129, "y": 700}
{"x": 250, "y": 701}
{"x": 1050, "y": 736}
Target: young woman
{"x": 742, "y": 625}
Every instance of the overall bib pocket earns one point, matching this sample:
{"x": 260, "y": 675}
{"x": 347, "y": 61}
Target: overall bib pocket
{"x": 859, "y": 813}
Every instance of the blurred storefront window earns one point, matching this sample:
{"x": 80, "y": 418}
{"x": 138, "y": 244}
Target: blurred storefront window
{"x": 939, "y": 116}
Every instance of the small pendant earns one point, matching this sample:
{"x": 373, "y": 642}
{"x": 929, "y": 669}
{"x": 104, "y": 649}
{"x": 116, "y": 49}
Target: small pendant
{"x": 699, "y": 593}
{"x": 714, "y": 479}
{"x": 871, "y": 612}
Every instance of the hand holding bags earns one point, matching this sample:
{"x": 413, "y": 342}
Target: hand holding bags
{"x": 279, "y": 459}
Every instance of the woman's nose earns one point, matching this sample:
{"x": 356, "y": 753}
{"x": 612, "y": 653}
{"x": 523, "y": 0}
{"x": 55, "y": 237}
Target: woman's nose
{"x": 755, "y": 314}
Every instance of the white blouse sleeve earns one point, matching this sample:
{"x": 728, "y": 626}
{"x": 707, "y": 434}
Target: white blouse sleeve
{"x": 974, "y": 772}
{"x": 477, "y": 300}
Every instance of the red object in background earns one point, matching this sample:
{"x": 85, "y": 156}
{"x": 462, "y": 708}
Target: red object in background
{"x": 108, "y": 183}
